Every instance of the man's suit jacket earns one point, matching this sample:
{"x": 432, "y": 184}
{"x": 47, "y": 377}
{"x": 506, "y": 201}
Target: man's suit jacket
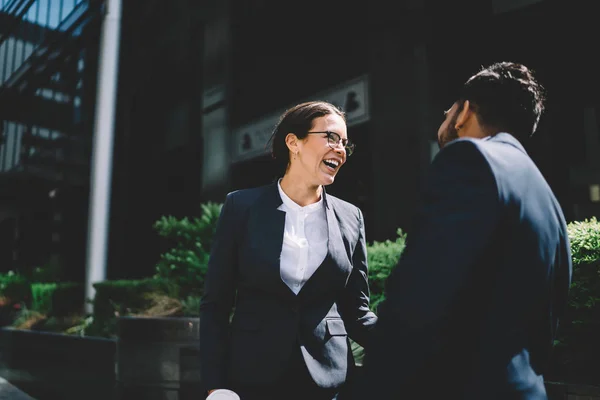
{"x": 270, "y": 319}
{"x": 473, "y": 305}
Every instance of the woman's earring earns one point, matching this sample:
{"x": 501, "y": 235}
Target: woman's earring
{"x": 295, "y": 154}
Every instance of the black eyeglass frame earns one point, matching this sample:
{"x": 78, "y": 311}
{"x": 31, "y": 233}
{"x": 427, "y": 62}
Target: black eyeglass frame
{"x": 332, "y": 141}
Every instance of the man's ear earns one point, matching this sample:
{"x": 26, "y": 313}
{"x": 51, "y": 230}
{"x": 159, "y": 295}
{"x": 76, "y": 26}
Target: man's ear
{"x": 463, "y": 115}
{"x": 291, "y": 140}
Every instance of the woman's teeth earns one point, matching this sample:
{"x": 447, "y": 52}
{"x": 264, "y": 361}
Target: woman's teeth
{"x": 331, "y": 163}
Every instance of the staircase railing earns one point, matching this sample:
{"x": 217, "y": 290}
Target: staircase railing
{"x": 24, "y": 142}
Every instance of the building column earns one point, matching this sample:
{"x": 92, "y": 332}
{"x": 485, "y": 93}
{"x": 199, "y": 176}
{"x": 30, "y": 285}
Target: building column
{"x": 403, "y": 122}
{"x": 215, "y": 113}
{"x": 101, "y": 169}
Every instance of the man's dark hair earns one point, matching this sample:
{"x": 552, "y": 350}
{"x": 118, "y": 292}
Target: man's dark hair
{"x": 506, "y": 98}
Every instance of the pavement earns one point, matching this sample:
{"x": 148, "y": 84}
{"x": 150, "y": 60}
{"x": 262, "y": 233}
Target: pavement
{"x": 10, "y": 392}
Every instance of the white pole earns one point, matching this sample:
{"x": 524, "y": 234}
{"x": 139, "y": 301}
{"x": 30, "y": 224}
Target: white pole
{"x": 101, "y": 163}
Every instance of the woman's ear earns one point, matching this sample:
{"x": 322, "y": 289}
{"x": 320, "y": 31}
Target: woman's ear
{"x": 291, "y": 140}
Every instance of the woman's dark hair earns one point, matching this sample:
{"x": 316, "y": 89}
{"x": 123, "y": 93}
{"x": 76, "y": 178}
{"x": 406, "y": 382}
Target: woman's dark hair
{"x": 297, "y": 120}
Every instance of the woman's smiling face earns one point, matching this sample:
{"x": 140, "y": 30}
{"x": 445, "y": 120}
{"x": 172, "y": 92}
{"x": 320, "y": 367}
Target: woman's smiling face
{"x": 318, "y": 161}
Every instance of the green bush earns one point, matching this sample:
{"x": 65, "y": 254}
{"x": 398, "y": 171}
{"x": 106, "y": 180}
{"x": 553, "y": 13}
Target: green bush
{"x": 191, "y": 306}
{"x": 585, "y": 252}
{"x": 56, "y": 299}
{"x": 585, "y": 241}
{"x": 382, "y": 257}
{"x": 123, "y": 296}
{"x": 41, "y": 297}
{"x": 15, "y": 287}
{"x": 577, "y": 348}
{"x": 186, "y": 262}
{"x": 119, "y": 298}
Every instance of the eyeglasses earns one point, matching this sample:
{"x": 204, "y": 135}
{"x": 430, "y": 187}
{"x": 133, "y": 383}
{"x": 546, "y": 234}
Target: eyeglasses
{"x": 334, "y": 140}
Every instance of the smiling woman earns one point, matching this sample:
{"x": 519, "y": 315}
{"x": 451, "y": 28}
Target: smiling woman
{"x": 293, "y": 259}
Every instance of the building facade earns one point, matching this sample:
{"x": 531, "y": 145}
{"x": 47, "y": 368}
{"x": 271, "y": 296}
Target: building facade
{"x": 394, "y": 68}
{"x": 202, "y": 83}
{"x": 48, "y": 53}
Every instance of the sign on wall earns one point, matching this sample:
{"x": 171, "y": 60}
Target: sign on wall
{"x": 251, "y": 140}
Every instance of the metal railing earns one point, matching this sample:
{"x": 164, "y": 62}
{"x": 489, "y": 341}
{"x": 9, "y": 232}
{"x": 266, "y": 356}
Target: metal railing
{"x": 27, "y": 23}
{"x": 41, "y": 67}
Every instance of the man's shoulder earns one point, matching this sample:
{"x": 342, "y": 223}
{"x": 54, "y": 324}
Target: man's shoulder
{"x": 493, "y": 149}
{"x": 471, "y": 145}
{"x": 463, "y": 161}
{"x": 462, "y": 151}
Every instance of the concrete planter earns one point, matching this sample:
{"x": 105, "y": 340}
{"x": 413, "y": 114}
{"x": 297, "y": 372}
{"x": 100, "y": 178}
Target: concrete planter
{"x": 56, "y": 366}
{"x": 157, "y": 358}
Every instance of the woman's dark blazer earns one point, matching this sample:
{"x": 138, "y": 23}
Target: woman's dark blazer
{"x": 269, "y": 319}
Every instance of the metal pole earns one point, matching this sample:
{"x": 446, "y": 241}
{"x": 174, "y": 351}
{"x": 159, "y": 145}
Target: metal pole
{"x": 101, "y": 165}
